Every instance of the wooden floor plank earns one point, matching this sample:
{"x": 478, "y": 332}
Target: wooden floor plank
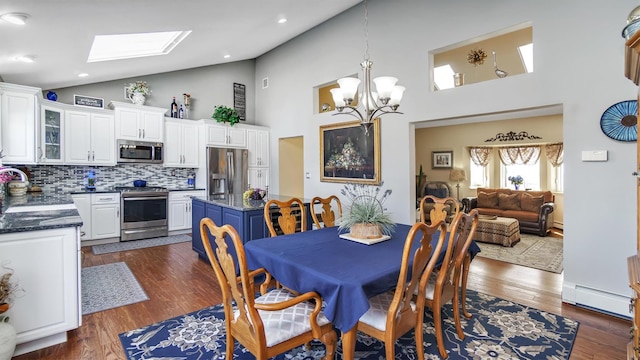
{"x": 178, "y": 282}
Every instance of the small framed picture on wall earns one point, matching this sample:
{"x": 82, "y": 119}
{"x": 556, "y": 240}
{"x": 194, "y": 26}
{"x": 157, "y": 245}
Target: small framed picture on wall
{"x": 441, "y": 159}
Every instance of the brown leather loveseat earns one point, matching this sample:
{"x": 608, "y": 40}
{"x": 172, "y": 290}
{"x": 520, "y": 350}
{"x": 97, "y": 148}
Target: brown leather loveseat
{"x": 532, "y": 209}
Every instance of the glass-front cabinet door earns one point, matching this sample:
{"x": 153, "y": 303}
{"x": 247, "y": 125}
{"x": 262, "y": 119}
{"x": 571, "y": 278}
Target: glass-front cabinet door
{"x": 51, "y": 136}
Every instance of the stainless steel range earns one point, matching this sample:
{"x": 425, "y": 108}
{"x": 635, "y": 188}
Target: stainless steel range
{"x": 144, "y": 212}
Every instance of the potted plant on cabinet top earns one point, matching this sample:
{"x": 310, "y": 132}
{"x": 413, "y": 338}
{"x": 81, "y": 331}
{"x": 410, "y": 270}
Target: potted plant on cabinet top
{"x": 366, "y": 217}
{"x": 225, "y": 114}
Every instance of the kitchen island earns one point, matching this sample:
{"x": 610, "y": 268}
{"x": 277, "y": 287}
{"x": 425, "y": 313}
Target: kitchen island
{"x": 246, "y": 216}
{"x": 40, "y": 244}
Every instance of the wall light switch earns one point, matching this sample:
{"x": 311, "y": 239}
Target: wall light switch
{"x": 594, "y": 155}
{"x": 307, "y": 175}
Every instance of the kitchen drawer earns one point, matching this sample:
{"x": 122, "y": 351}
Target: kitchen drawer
{"x": 185, "y": 195}
{"x": 106, "y": 198}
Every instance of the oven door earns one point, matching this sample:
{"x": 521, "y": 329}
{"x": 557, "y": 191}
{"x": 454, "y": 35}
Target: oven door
{"x": 143, "y": 214}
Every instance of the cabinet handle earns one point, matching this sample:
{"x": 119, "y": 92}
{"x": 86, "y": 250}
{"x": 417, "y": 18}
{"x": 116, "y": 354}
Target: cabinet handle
{"x": 118, "y": 213}
{"x": 139, "y": 133}
{"x": 143, "y": 134}
{"x": 186, "y": 207}
{"x": 632, "y": 303}
{"x": 88, "y": 155}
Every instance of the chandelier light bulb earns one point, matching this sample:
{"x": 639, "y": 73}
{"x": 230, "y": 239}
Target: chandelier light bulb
{"x": 349, "y": 87}
{"x": 338, "y": 98}
{"x": 384, "y": 85}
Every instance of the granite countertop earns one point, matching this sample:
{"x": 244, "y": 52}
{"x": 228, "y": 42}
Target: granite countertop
{"x": 236, "y": 202}
{"x": 40, "y": 218}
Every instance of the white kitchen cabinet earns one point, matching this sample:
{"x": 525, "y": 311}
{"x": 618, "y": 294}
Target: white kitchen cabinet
{"x": 258, "y": 177}
{"x": 105, "y": 215}
{"x": 47, "y": 265}
{"x": 51, "y": 147}
{"x": 181, "y": 143}
{"x": 258, "y": 145}
{"x": 100, "y": 213}
{"x": 83, "y": 204}
{"x": 89, "y": 138}
{"x": 137, "y": 122}
{"x": 18, "y": 113}
{"x": 226, "y": 135}
{"x": 180, "y": 209}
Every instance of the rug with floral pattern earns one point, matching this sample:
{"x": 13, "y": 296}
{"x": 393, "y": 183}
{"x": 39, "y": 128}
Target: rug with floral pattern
{"x": 499, "y": 329}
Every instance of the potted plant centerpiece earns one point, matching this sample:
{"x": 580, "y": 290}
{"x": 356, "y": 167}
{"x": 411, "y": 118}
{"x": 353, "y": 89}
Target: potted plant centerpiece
{"x": 8, "y": 337}
{"x": 225, "y": 114}
{"x": 365, "y": 217}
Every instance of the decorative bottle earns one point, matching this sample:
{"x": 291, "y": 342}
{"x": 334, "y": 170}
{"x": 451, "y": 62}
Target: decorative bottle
{"x": 181, "y": 112}
{"x": 91, "y": 180}
{"x": 174, "y": 108}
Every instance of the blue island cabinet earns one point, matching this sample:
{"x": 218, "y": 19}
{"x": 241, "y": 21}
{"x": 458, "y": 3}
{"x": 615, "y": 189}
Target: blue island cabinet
{"x": 249, "y": 224}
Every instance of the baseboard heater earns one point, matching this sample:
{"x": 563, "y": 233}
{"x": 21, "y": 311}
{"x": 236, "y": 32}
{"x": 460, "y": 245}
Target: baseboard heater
{"x": 602, "y": 301}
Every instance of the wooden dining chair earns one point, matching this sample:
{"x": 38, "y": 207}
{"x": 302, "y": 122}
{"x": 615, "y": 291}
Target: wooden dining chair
{"x": 271, "y": 324}
{"x": 328, "y": 216}
{"x": 449, "y": 283}
{"x": 392, "y": 314}
{"x": 438, "y": 209}
{"x": 285, "y": 217}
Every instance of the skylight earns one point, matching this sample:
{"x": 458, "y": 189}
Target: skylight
{"x": 526, "y": 54}
{"x": 443, "y": 77}
{"x": 127, "y": 46}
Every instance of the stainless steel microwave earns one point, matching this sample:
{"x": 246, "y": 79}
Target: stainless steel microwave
{"x": 139, "y": 152}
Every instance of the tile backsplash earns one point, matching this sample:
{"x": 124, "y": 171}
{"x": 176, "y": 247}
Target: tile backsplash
{"x": 64, "y": 178}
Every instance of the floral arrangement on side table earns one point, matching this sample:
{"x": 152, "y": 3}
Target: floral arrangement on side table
{"x": 139, "y": 87}
{"x": 516, "y": 180}
{"x": 365, "y": 216}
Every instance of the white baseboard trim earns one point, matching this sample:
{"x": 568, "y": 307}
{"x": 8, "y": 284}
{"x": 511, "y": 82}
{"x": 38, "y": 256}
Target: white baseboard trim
{"x": 42, "y": 343}
{"x": 596, "y": 299}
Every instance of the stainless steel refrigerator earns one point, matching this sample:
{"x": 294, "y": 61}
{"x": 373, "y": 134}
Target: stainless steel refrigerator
{"x": 227, "y": 171}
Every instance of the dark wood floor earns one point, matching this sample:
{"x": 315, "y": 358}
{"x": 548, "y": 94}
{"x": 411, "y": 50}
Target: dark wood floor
{"x": 177, "y": 282}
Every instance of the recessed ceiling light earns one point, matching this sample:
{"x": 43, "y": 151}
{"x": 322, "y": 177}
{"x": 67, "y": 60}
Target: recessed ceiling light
{"x": 227, "y": 56}
{"x": 15, "y": 18}
{"x": 83, "y": 75}
{"x": 127, "y": 46}
{"x": 26, "y": 58}
{"x": 282, "y": 21}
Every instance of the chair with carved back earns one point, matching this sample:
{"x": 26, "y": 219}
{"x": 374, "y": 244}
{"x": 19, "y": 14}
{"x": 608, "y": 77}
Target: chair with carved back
{"x": 449, "y": 283}
{"x": 327, "y": 217}
{"x": 285, "y": 217}
{"x": 435, "y": 209}
{"x": 268, "y": 325}
{"x": 393, "y": 313}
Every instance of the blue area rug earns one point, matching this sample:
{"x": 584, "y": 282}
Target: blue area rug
{"x": 499, "y": 329}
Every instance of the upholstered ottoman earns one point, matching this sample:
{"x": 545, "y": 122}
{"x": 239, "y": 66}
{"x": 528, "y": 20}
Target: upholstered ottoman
{"x": 497, "y": 230}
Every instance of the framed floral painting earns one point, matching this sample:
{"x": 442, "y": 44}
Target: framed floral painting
{"x": 347, "y": 154}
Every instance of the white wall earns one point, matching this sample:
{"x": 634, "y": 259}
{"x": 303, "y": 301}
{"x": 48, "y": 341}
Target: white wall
{"x": 208, "y": 85}
{"x": 578, "y": 56}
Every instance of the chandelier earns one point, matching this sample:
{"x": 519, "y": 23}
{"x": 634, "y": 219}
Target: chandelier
{"x": 385, "y": 101}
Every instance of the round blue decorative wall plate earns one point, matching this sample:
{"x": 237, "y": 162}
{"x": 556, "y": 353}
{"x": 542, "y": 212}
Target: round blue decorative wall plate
{"x": 620, "y": 121}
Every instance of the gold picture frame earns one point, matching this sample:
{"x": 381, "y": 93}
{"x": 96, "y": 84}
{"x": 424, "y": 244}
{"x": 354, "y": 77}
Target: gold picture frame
{"x": 442, "y": 159}
{"x": 348, "y": 155}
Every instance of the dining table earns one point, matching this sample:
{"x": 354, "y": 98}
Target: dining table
{"x": 343, "y": 272}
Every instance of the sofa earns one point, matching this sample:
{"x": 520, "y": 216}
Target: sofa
{"x": 532, "y": 209}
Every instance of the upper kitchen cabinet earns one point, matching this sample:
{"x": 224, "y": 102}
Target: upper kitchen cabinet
{"x": 225, "y": 135}
{"x": 18, "y": 112}
{"x": 89, "y": 138}
{"x": 181, "y": 143}
{"x": 50, "y": 150}
{"x": 137, "y": 122}
{"x": 258, "y": 145}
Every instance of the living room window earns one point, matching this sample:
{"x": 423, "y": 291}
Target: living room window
{"x": 529, "y": 172}
{"x": 478, "y": 175}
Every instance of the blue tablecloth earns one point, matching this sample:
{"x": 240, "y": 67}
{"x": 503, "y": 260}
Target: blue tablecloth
{"x": 345, "y": 273}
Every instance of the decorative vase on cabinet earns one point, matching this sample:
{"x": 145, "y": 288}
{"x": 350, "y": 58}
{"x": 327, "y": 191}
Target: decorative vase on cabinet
{"x": 7, "y": 338}
{"x": 137, "y": 98}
